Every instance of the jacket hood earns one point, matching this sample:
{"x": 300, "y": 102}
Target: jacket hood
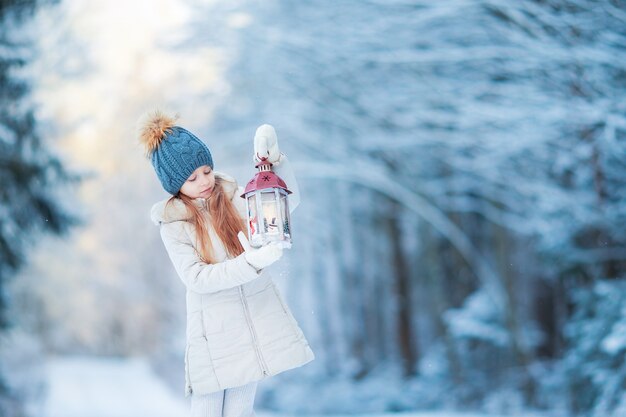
{"x": 176, "y": 209}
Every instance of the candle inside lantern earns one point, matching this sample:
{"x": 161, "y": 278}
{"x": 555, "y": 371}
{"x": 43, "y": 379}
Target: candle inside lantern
{"x": 270, "y": 212}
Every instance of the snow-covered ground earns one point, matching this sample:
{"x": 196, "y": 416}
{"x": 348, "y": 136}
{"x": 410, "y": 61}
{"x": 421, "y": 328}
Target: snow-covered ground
{"x": 115, "y": 387}
{"x": 108, "y": 387}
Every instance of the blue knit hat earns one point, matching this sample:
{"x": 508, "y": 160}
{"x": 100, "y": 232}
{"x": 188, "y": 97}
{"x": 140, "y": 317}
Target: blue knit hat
{"x": 174, "y": 151}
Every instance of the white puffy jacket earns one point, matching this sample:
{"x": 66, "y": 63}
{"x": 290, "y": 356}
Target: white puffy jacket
{"x": 239, "y": 328}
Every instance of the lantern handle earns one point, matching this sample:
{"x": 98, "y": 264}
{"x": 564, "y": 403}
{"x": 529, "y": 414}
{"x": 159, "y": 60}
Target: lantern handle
{"x": 263, "y": 161}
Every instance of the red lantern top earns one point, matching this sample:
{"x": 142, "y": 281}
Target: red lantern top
{"x": 265, "y": 178}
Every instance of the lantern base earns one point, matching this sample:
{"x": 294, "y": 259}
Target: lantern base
{"x": 286, "y": 244}
{"x": 256, "y": 241}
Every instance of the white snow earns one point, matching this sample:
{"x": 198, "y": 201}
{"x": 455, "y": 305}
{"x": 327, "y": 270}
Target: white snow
{"x": 108, "y": 387}
{"x": 83, "y": 386}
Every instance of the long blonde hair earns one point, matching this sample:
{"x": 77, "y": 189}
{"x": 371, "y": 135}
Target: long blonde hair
{"x": 225, "y": 220}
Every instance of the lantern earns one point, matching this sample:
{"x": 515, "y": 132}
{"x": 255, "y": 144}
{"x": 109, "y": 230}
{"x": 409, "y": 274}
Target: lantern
{"x": 267, "y": 207}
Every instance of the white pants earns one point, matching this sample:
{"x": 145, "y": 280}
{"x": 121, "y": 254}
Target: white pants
{"x": 230, "y": 402}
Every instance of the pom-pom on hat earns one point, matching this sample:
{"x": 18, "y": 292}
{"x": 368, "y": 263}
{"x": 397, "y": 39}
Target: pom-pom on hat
{"x": 175, "y": 152}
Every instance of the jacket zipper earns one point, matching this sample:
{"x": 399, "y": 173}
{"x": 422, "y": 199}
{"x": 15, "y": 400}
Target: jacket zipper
{"x": 189, "y": 389}
{"x": 254, "y": 337}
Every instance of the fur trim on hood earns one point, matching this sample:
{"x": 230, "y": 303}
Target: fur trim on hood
{"x": 177, "y": 210}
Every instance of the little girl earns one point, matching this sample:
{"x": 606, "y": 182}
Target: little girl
{"x": 239, "y": 328}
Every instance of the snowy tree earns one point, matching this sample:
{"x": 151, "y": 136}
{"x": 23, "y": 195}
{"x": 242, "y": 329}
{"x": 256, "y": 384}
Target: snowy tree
{"x": 594, "y": 365}
{"x": 462, "y": 169}
{"x": 474, "y": 148}
{"x": 29, "y": 173}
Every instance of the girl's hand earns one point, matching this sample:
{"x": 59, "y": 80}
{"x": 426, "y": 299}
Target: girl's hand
{"x": 260, "y": 257}
{"x": 266, "y": 144}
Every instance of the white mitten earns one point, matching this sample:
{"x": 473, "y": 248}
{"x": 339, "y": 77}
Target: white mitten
{"x": 266, "y": 144}
{"x": 261, "y": 257}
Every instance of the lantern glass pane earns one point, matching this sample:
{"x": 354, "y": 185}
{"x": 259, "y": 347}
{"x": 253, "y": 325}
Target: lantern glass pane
{"x": 271, "y": 216}
{"x": 284, "y": 208}
{"x": 253, "y": 221}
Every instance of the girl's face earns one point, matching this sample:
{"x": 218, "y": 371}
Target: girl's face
{"x": 200, "y": 183}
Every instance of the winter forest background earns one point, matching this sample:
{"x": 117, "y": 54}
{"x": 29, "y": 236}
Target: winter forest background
{"x": 460, "y": 243}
